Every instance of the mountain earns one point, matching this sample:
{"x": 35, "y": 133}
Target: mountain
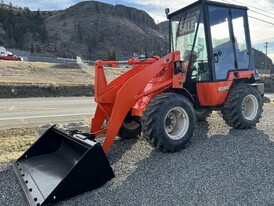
{"x": 90, "y": 29}
{"x": 262, "y": 62}
{"x": 164, "y": 27}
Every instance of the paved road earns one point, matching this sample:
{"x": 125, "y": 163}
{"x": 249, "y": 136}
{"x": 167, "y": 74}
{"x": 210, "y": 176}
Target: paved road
{"x": 30, "y": 112}
{"x": 220, "y": 166}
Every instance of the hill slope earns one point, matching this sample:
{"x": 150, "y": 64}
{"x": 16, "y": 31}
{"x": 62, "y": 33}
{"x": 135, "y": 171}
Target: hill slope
{"x": 90, "y": 29}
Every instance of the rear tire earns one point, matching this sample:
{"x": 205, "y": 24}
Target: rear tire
{"x": 243, "y": 107}
{"x": 130, "y": 128}
{"x": 168, "y": 122}
{"x": 202, "y": 114}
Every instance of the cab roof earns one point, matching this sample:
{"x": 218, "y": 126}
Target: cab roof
{"x": 204, "y": 2}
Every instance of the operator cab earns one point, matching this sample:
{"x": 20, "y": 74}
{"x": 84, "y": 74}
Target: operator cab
{"x": 213, "y": 39}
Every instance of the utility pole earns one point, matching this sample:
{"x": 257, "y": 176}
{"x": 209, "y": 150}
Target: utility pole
{"x": 266, "y": 43}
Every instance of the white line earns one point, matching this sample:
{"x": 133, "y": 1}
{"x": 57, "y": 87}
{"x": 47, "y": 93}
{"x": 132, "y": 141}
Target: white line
{"x": 23, "y": 121}
{"x": 45, "y": 116}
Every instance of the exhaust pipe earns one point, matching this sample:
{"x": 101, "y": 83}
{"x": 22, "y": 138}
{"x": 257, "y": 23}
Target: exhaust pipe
{"x": 60, "y": 165}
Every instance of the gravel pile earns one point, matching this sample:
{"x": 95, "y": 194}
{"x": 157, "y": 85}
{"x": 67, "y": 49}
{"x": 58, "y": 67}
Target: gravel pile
{"x": 220, "y": 166}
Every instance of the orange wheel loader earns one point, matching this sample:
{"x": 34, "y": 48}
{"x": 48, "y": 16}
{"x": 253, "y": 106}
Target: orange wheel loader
{"x": 209, "y": 67}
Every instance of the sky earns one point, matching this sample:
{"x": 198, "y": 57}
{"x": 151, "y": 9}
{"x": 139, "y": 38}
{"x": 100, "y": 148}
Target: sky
{"x": 260, "y": 32}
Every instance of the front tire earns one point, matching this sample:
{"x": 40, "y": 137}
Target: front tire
{"x": 168, "y": 122}
{"x": 243, "y": 107}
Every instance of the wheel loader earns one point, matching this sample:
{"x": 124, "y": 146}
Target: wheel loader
{"x": 209, "y": 67}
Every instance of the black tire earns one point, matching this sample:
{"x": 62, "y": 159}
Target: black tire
{"x": 131, "y": 128}
{"x": 202, "y": 113}
{"x": 163, "y": 125}
{"x": 243, "y": 107}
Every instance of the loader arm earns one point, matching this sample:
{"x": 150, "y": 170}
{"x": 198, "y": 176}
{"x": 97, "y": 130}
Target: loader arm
{"x": 117, "y": 98}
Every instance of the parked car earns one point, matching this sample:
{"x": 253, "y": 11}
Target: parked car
{"x": 10, "y": 56}
{"x": 6, "y": 55}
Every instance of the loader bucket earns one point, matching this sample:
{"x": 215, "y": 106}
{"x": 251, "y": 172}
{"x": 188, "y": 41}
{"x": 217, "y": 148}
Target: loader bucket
{"x": 60, "y": 165}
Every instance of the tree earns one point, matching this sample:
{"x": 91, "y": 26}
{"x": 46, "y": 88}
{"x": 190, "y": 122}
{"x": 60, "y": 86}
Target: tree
{"x": 43, "y": 33}
{"x": 80, "y": 32}
{"x": 32, "y": 48}
{"x": 112, "y": 55}
{"x": 38, "y": 48}
{"x": 91, "y": 42}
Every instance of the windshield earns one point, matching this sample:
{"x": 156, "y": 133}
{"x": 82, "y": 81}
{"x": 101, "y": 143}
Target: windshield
{"x": 188, "y": 37}
{"x": 183, "y": 28}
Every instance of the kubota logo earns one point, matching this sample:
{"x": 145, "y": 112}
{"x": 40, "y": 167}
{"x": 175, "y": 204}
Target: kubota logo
{"x": 223, "y": 89}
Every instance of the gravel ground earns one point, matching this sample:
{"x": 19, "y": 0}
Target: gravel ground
{"x": 220, "y": 166}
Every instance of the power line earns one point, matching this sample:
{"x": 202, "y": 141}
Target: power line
{"x": 261, "y": 20}
{"x": 254, "y": 7}
{"x": 253, "y": 10}
{"x": 262, "y": 14}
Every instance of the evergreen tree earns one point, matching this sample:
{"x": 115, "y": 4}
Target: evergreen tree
{"x": 32, "y": 49}
{"x": 80, "y": 32}
{"x": 38, "y": 48}
{"x": 91, "y": 42}
{"x": 18, "y": 24}
{"x": 114, "y": 55}
{"x": 111, "y": 55}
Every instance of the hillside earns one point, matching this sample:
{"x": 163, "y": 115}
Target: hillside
{"x": 37, "y": 79}
{"x": 39, "y": 73}
{"x": 262, "y": 62}
{"x": 90, "y": 29}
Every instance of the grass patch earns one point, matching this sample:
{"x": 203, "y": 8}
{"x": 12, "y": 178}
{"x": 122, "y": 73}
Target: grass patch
{"x": 14, "y": 142}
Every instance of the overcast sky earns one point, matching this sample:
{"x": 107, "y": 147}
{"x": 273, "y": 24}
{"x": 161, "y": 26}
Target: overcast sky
{"x": 260, "y": 32}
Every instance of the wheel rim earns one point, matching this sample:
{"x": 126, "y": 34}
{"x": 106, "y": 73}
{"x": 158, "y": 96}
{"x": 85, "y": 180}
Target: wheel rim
{"x": 176, "y": 123}
{"x": 250, "y": 107}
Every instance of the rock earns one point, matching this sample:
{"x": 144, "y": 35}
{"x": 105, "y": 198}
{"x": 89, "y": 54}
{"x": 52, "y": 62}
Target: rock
{"x": 70, "y": 126}
{"x": 77, "y": 126}
{"x": 266, "y": 100}
{"x": 39, "y": 131}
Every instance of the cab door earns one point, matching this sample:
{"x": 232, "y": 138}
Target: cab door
{"x": 222, "y": 44}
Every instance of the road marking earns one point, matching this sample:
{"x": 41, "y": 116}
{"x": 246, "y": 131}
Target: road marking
{"x": 23, "y": 120}
{"x": 45, "y": 116}
{"x": 12, "y": 108}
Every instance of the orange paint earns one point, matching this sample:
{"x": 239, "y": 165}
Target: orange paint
{"x": 116, "y": 99}
{"x": 133, "y": 90}
{"x": 213, "y": 93}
